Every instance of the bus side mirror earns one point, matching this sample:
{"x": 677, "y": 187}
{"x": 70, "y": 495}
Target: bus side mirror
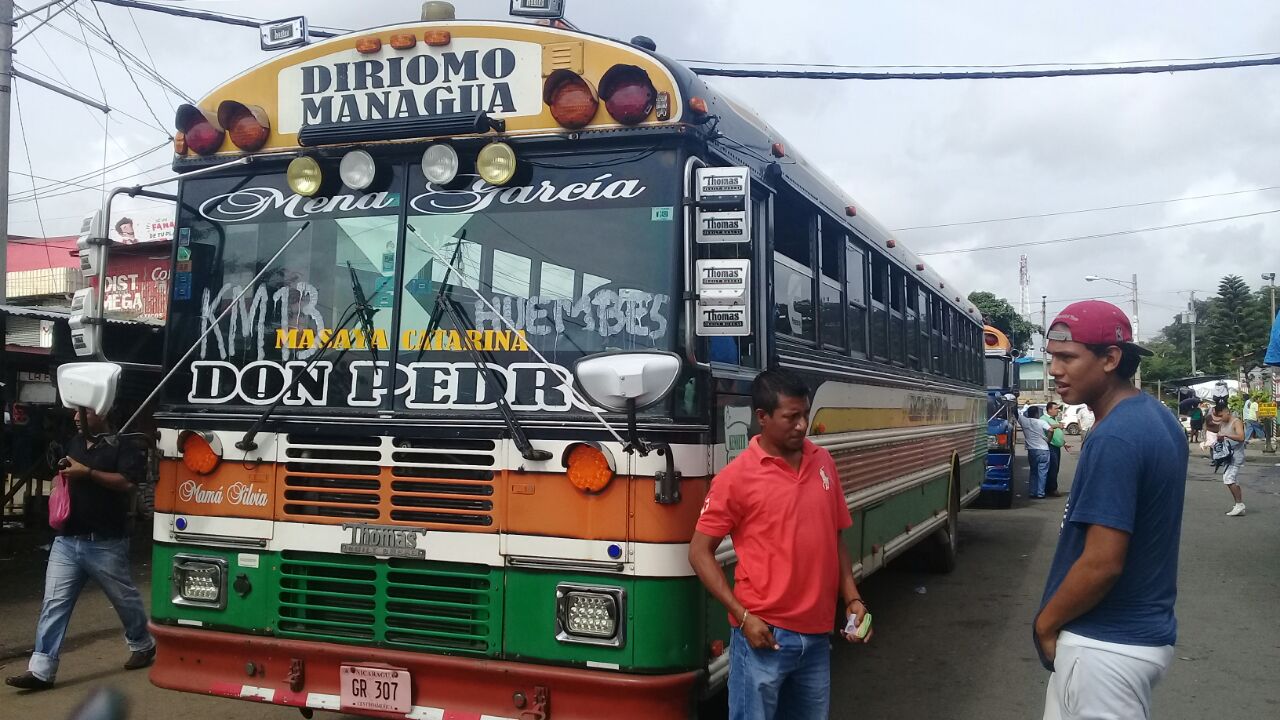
{"x": 89, "y": 385}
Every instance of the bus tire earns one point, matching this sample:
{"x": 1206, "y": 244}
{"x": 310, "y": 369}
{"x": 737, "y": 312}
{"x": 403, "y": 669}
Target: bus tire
{"x": 945, "y": 541}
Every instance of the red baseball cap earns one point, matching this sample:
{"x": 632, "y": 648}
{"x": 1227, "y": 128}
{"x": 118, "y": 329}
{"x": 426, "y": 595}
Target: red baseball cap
{"x": 1094, "y": 322}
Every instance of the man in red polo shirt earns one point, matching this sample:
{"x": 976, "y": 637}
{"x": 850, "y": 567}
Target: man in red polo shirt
{"x": 782, "y": 502}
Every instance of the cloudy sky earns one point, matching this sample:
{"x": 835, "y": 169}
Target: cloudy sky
{"x": 914, "y": 153}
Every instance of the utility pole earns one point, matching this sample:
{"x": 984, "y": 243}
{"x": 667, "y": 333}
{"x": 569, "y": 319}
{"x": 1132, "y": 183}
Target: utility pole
{"x": 1045, "y": 343}
{"x": 1137, "y": 375}
{"x": 1192, "y": 319}
{"x": 6, "y": 90}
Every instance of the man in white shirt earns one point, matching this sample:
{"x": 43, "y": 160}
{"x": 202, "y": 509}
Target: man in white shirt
{"x": 1035, "y": 433}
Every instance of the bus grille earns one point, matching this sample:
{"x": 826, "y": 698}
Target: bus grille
{"x": 440, "y": 484}
{"x": 448, "y": 608}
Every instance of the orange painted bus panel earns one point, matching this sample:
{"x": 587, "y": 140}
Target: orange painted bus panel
{"x": 667, "y": 523}
{"x": 548, "y": 504}
{"x": 232, "y": 490}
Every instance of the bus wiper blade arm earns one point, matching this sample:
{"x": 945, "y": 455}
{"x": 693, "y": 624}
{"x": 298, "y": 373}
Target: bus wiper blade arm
{"x": 357, "y": 310}
{"x": 518, "y": 435}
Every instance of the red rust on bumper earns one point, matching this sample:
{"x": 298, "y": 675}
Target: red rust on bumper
{"x": 218, "y": 663}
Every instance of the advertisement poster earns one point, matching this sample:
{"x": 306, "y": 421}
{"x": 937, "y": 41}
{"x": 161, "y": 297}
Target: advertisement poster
{"x": 142, "y": 225}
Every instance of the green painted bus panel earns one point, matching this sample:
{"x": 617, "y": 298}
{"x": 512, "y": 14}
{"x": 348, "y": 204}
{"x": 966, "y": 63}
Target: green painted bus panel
{"x": 251, "y": 612}
{"x": 668, "y": 630}
{"x": 417, "y": 605}
{"x": 530, "y": 632}
{"x": 853, "y": 536}
{"x": 663, "y": 628}
{"x": 889, "y": 519}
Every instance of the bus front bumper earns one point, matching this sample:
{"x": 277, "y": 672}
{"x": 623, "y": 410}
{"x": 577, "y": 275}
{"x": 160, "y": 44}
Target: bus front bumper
{"x": 304, "y": 674}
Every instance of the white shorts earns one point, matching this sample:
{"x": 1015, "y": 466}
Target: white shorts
{"x": 1233, "y": 469}
{"x": 1095, "y": 680}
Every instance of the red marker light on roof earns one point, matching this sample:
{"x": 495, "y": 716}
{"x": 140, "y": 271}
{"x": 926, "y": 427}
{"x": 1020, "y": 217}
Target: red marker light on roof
{"x": 248, "y": 125}
{"x": 200, "y": 129}
{"x": 570, "y": 98}
{"x": 628, "y": 94}
{"x": 850, "y": 210}
{"x": 778, "y": 150}
{"x": 920, "y": 266}
{"x": 891, "y": 243}
{"x": 368, "y": 45}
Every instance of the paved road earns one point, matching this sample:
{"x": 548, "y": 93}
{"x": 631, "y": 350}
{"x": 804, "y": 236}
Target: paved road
{"x": 960, "y": 650}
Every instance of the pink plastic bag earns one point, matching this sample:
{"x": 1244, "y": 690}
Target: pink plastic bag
{"x": 59, "y": 503}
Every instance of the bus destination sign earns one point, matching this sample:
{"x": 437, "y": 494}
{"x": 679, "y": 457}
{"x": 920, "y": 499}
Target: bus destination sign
{"x": 471, "y": 75}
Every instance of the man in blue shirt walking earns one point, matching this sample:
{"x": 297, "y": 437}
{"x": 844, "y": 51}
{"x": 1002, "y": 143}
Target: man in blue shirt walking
{"x": 1106, "y": 626}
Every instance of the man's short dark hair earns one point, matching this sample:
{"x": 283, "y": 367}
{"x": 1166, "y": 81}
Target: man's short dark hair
{"x": 1129, "y": 359}
{"x": 1050, "y": 405}
{"x": 769, "y": 384}
{"x": 1033, "y": 412}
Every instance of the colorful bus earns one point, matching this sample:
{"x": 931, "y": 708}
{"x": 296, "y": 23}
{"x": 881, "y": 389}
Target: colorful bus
{"x": 464, "y": 318}
{"x": 1001, "y": 375}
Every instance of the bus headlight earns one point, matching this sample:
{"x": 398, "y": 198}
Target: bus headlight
{"x": 304, "y": 176}
{"x": 199, "y": 581}
{"x": 590, "y": 615}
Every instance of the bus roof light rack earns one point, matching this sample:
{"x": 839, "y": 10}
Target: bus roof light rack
{"x": 333, "y": 133}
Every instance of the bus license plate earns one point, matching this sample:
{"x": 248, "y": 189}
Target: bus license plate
{"x": 375, "y": 688}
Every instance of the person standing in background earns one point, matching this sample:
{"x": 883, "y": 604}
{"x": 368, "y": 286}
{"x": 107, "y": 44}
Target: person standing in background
{"x": 1231, "y": 432}
{"x": 1252, "y": 427}
{"x": 1057, "y": 442}
{"x": 1035, "y": 435}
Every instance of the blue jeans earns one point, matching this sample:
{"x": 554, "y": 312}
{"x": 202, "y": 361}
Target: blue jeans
{"x": 72, "y": 561}
{"x": 793, "y": 682}
{"x": 1038, "y": 460}
{"x": 1253, "y": 428}
{"x": 1055, "y": 463}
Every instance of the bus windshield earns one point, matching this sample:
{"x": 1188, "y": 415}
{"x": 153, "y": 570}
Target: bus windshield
{"x": 997, "y": 371}
{"x": 579, "y": 257}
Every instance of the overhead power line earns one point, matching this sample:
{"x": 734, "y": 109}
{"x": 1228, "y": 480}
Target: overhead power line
{"x": 987, "y": 74}
{"x": 1086, "y": 210}
{"x": 205, "y": 15}
{"x": 1117, "y": 233}
{"x": 1106, "y": 63}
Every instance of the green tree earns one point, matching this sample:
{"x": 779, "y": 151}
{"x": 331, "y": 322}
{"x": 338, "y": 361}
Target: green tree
{"x": 998, "y": 313}
{"x": 1238, "y": 326}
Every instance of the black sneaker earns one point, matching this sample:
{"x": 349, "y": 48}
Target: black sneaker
{"x": 28, "y": 681}
{"x": 140, "y": 659}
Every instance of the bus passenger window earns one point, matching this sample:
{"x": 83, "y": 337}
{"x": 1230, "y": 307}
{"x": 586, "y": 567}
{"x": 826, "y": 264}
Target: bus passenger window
{"x": 794, "y": 229}
{"x": 879, "y": 307}
{"x": 912, "y": 333}
{"x": 793, "y": 298}
{"x": 855, "y": 285}
{"x": 831, "y": 282}
{"x": 926, "y": 351}
{"x": 897, "y": 329}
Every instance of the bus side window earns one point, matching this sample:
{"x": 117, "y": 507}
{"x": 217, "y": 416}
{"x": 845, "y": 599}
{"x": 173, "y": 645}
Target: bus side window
{"x": 831, "y": 284}
{"x": 879, "y": 306}
{"x": 855, "y": 283}
{"x": 793, "y": 277}
{"x": 925, "y": 336}
{"x": 913, "y": 331}
{"x": 897, "y": 323}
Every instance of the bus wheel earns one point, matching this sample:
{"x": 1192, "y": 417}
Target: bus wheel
{"x": 946, "y": 540}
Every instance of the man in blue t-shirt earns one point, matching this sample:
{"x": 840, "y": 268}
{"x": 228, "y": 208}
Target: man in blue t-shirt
{"x": 1106, "y": 626}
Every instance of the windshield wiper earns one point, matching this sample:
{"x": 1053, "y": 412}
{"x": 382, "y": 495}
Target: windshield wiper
{"x": 445, "y": 302}
{"x": 360, "y": 310}
{"x": 532, "y": 348}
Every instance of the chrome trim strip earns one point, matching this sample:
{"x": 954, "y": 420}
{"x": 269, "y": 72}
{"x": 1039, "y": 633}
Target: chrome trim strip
{"x": 227, "y": 540}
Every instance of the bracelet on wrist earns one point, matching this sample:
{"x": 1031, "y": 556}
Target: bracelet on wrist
{"x": 743, "y": 619}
